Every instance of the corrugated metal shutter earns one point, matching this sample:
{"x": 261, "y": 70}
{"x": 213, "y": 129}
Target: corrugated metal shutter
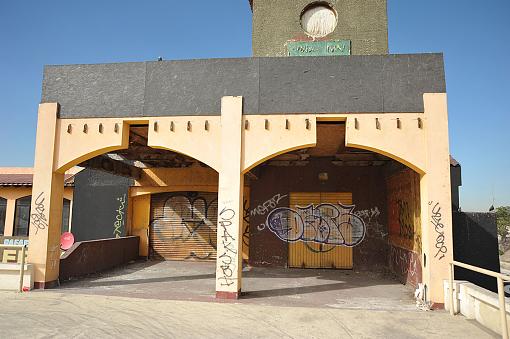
{"x": 183, "y": 226}
{"x": 307, "y": 254}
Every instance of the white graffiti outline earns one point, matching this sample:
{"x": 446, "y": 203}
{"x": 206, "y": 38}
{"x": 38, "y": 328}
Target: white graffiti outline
{"x": 324, "y": 223}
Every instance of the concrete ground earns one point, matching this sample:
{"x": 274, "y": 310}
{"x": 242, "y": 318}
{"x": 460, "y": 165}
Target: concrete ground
{"x": 67, "y": 315}
{"x": 176, "y": 299}
{"x": 173, "y": 280}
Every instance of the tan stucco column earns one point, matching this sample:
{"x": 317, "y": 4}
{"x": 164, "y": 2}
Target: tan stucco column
{"x": 436, "y": 199}
{"x": 47, "y": 195}
{"x": 230, "y": 201}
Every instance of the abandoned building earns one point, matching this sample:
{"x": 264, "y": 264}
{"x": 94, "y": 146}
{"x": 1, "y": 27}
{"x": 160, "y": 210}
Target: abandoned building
{"x": 320, "y": 151}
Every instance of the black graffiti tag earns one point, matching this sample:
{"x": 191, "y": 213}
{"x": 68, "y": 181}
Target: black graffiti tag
{"x": 227, "y": 258}
{"x": 439, "y": 228}
{"x": 38, "y": 219}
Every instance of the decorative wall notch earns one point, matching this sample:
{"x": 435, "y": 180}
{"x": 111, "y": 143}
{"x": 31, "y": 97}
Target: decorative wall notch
{"x": 100, "y": 128}
{"x": 206, "y": 125}
{"x": 85, "y": 128}
{"x": 69, "y": 128}
{"x": 399, "y": 124}
{"x": 307, "y": 124}
{"x": 356, "y": 123}
{"x": 246, "y": 124}
{"x": 155, "y": 126}
{"x": 266, "y": 124}
{"x": 377, "y": 123}
{"x": 189, "y": 126}
{"x": 287, "y": 124}
{"x": 420, "y": 123}
{"x": 116, "y": 128}
{"x": 172, "y": 127}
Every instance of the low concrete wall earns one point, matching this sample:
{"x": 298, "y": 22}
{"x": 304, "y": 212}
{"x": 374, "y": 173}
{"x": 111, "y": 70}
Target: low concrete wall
{"x": 9, "y": 276}
{"x": 476, "y": 303}
{"x": 93, "y": 256}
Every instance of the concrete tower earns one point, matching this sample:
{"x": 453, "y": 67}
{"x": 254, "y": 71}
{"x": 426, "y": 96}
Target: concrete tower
{"x": 360, "y": 27}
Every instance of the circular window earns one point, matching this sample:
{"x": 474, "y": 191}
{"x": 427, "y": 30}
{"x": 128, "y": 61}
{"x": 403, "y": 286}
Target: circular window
{"x": 318, "y": 20}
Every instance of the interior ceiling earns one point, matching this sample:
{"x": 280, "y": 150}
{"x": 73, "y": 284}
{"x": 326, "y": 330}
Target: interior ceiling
{"x": 330, "y": 144}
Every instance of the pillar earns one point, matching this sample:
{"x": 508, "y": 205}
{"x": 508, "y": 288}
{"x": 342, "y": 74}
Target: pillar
{"x": 47, "y": 199}
{"x": 435, "y": 191}
{"x": 230, "y": 201}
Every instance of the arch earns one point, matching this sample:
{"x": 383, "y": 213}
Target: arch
{"x": 402, "y": 140}
{"x": 271, "y": 135}
{"x": 203, "y": 160}
{"x": 275, "y": 154}
{"x": 74, "y": 162}
{"x": 390, "y": 155}
{"x": 74, "y": 147}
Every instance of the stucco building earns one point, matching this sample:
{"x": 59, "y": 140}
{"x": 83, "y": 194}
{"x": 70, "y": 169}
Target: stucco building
{"x": 322, "y": 150}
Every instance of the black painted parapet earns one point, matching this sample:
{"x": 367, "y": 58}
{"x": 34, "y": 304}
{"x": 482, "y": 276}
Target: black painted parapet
{"x": 475, "y": 242}
{"x": 95, "y": 256}
{"x": 343, "y": 84}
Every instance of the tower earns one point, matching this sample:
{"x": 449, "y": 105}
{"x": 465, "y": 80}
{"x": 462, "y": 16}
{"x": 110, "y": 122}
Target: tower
{"x": 281, "y": 26}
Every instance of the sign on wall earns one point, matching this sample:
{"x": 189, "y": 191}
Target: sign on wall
{"x": 12, "y": 255}
{"x": 319, "y": 48}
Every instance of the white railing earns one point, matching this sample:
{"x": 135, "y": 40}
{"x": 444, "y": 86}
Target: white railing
{"x": 501, "y": 291}
{"x": 22, "y": 262}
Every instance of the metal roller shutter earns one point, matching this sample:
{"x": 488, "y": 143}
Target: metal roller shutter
{"x": 310, "y": 254}
{"x": 183, "y": 226}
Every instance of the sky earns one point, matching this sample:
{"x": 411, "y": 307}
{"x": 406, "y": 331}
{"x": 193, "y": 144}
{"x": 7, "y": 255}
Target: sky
{"x": 473, "y": 35}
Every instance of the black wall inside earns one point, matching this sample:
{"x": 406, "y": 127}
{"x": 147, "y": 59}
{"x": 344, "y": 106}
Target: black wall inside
{"x": 97, "y": 211}
{"x": 475, "y": 242}
{"x": 368, "y": 188}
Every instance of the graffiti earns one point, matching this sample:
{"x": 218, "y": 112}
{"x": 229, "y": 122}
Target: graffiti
{"x": 405, "y": 219}
{"x": 228, "y": 256}
{"x": 38, "y": 219}
{"x": 188, "y": 224}
{"x": 53, "y": 256}
{"x": 369, "y": 215}
{"x": 406, "y": 264}
{"x": 118, "y": 225}
{"x": 268, "y": 205}
{"x": 323, "y": 224}
{"x": 436, "y": 220}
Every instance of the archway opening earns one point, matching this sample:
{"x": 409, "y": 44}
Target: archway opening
{"x": 336, "y": 208}
{"x": 167, "y": 200}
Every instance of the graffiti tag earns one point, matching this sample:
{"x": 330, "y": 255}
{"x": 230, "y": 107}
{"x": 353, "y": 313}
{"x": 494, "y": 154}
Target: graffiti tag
{"x": 323, "y": 224}
{"x": 38, "y": 219}
{"x": 436, "y": 220}
{"x": 228, "y": 256}
{"x": 119, "y": 218}
{"x": 267, "y": 205}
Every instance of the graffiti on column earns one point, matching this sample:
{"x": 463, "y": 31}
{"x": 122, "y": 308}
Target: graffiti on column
{"x": 329, "y": 224}
{"x": 436, "y": 220}
{"x": 38, "y": 218}
{"x": 118, "y": 225}
{"x": 227, "y": 257}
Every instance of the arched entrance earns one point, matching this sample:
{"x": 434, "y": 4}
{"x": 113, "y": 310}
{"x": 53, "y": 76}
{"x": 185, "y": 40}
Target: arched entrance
{"x": 331, "y": 206}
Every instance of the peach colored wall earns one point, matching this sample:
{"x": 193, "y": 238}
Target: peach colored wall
{"x": 418, "y": 140}
{"x": 12, "y": 193}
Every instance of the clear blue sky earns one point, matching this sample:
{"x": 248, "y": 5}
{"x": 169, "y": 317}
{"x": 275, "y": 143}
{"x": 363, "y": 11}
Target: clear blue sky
{"x": 474, "y": 36}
